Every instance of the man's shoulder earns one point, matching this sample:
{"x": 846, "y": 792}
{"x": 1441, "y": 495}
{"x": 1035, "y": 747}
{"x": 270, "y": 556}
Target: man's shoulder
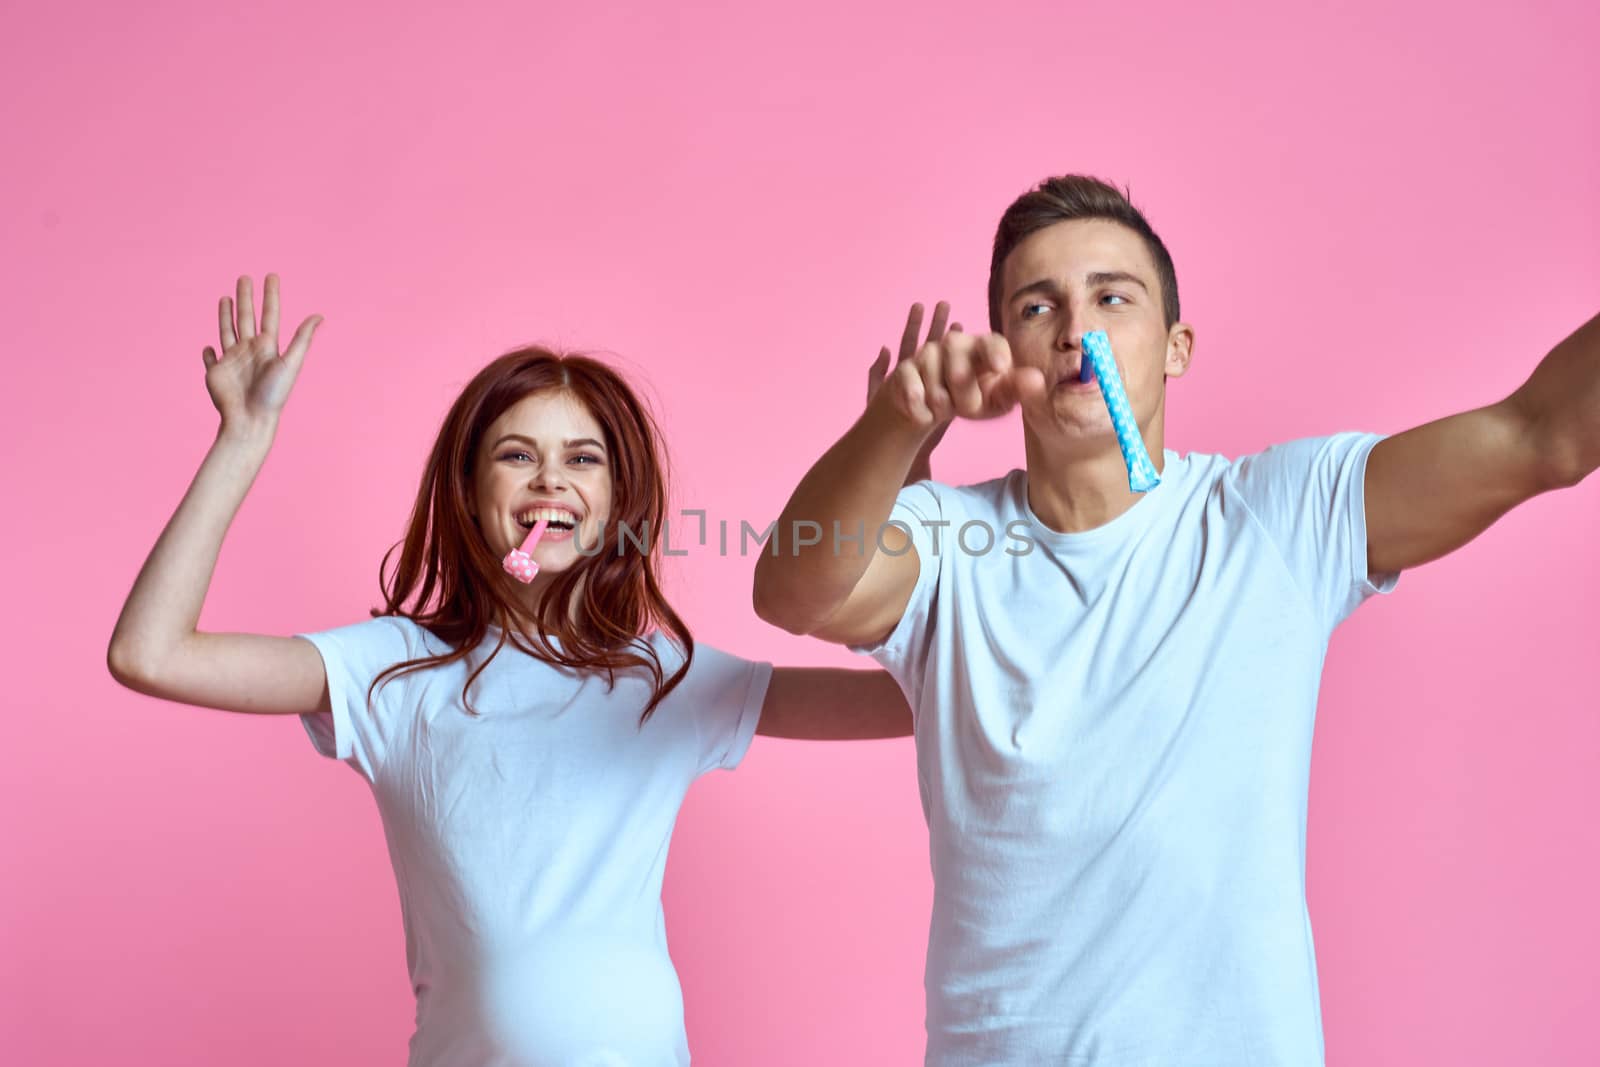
{"x": 1300, "y": 459}
{"x": 973, "y": 499}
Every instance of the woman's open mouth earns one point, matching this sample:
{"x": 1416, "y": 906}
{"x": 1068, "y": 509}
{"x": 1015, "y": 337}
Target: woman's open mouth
{"x": 559, "y": 521}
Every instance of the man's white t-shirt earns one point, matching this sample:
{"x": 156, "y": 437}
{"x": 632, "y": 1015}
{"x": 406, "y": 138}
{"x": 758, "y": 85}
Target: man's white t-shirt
{"x": 529, "y": 840}
{"x": 1113, "y": 735}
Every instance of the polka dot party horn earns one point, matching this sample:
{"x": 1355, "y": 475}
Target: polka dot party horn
{"x": 519, "y": 561}
{"x": 1099, "y": 366}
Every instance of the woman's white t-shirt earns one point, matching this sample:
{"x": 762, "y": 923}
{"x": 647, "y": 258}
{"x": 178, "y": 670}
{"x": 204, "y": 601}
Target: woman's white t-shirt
{"x": 529, "y": 840}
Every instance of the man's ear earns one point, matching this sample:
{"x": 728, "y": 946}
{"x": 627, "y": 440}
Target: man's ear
{"x": 1180, "y": 349}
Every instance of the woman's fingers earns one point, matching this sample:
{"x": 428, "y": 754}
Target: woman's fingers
{"x": 225, "y": 331}
{"x": 300, "y": 344}
{"x": 246, "y": 309}
{"x": 269, "y": 309}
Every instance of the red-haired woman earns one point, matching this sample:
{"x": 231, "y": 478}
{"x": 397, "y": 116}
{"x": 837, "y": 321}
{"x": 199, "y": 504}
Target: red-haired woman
{"x": 528, "y": 745}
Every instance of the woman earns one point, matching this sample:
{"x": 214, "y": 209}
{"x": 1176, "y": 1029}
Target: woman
{"x": 528, "y": 745}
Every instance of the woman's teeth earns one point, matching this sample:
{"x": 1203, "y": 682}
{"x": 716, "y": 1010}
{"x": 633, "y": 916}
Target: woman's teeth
{"x": 555, "y": 518}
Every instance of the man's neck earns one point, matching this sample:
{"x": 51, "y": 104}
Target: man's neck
{"x": 1074, "y": 486}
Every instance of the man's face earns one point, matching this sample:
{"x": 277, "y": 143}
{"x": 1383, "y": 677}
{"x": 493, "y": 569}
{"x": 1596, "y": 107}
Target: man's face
{"x": 1073, "y": 277}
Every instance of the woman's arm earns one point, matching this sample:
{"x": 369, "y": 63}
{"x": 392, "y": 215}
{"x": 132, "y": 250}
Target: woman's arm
{"x": 156, "y": 648}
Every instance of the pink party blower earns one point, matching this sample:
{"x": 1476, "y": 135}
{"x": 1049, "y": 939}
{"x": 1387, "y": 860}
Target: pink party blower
{"x": 519, "y": 561}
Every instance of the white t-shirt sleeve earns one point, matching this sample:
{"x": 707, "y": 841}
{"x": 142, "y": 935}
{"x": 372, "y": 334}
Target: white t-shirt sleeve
{"x": 929, "y": 518}
{"x": 354, "y": 731}
{"x": 724, "y": 694}
{"x": 1310, "y": 497}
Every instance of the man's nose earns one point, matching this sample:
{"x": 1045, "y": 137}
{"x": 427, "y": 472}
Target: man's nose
{"x": 1070, "y": 334}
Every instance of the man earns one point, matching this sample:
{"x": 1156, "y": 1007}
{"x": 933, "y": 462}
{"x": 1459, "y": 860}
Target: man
{"x": 1114, "y": 692}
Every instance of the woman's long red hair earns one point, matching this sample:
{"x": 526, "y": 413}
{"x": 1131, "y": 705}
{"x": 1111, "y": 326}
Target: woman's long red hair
{"x": 447, "y": 580}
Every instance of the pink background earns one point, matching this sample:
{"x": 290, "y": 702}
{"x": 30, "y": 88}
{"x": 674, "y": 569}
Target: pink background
{"x": 1379, "y": 215}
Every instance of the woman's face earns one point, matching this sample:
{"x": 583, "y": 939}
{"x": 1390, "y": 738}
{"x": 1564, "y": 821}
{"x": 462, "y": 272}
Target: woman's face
{"x": 544, "y": 458}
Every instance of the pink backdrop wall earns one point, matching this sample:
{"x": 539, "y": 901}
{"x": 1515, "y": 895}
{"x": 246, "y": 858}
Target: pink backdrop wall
{"x": 1381, "y": 214}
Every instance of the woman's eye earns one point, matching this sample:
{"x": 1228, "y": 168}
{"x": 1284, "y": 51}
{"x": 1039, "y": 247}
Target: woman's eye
{"x": 585, "y": 459}
{"x": 516, "y": 456}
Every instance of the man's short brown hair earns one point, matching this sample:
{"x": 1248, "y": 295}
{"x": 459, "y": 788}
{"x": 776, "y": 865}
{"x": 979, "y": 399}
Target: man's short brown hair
{"x": 1063, "y": 199}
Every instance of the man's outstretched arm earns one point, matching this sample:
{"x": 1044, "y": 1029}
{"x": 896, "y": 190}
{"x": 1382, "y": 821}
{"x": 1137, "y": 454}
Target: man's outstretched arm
{"x": 1432, "y": 489}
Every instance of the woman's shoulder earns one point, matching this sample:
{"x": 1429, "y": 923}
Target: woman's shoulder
{"x": 380, "y": 634}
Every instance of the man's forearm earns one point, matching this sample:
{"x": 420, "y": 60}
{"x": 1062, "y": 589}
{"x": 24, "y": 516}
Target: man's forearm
{"x": 843, "y": 501}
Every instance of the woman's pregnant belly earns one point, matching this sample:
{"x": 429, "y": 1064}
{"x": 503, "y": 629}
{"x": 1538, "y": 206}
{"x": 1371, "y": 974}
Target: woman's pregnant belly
{"x": 573, "y": 999}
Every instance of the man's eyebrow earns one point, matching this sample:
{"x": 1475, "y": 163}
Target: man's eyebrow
{"x": 1111, "y": 277}
{"x": 1094, "y": 279}
{"x": 1043, "y": 285}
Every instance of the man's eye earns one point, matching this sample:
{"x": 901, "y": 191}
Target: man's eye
{"x": 1031, "y": 310}
{"x": 1114, "y": 296}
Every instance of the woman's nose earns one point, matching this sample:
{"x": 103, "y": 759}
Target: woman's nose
{"x": 550, "y": 476}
